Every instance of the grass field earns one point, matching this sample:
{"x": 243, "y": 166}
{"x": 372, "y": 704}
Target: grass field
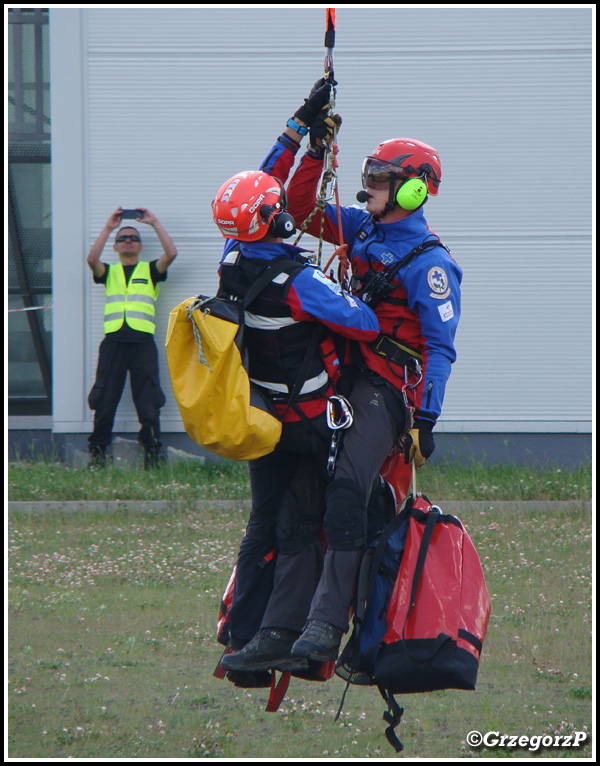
{"x": 111, "y": 631}
{"x": 33, "y": 481}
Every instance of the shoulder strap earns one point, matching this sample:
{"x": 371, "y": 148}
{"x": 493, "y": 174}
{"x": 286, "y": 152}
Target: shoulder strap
{"x": 278, "y": 266}
{"x": 428, "y": 244}
{"x": 377, "y": 285}
{"x": 433, "y": 517}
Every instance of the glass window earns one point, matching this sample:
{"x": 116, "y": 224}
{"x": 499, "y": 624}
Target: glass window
{"x": 29, "y": 213}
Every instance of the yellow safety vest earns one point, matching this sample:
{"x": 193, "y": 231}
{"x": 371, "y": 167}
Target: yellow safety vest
{"x": 133, "y": 302}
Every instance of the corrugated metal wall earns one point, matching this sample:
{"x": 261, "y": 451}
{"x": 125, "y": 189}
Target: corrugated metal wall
{"x": 178, "y": 100}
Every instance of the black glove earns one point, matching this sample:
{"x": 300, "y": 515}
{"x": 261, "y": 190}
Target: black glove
{"x": 419, "y": 444}
{"x": 318, "y": 99}
{"x": 321, "y": 133}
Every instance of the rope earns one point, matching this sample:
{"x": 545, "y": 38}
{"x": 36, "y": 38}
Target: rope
{"x": 330, "y": 165}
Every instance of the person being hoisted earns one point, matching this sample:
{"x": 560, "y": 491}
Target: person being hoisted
{"x": 287, "y": 334}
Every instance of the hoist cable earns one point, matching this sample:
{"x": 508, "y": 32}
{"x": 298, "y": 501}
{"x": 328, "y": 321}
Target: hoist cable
{"x": 330, "y": 163}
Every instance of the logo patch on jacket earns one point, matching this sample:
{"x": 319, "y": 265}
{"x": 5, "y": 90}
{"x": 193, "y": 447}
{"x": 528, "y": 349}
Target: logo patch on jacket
{"x": 438, "y": 283}
{"x": 446, "y": 311}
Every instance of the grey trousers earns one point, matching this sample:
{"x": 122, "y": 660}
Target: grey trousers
{"x": 308, "y": 586}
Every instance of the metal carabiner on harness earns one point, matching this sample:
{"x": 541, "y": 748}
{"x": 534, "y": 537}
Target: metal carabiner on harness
{"x": 344, "y": 417}
{"x": 340, "y": 416}
{"x": 418, "y": 370}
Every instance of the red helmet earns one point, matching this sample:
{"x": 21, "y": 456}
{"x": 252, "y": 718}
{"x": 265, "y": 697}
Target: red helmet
{"x": 404, "y": 158}
{"x": 246, "y": 204}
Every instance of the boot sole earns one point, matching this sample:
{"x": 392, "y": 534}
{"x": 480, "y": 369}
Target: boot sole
{"x": 283, "y": 663}
{"x": 312, "y": 656}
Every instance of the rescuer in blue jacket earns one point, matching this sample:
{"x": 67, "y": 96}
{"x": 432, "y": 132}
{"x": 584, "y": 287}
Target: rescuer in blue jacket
{"x": 403, "y": 271}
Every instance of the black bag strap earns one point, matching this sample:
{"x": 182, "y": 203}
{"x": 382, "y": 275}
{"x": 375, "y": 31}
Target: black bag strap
{"x": 392, "y": 716}
{"x": 433, "y": 517}
{"x": 275, "y": 267}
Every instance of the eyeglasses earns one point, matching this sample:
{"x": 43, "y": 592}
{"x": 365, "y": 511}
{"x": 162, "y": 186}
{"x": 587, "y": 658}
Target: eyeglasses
{"x": 125, "y": 237}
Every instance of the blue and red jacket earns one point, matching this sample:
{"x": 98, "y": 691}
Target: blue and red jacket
{"x": 422, "y": 311}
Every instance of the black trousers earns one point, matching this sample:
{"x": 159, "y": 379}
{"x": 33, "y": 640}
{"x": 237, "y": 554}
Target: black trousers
{"x": 115, "y": 360}
{"x": 288, "y": 490}
{"x": 294, "y": 507}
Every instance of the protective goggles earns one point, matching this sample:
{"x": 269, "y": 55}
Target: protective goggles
{"x": 125, "y": 237}
{"x": 375, "y": 172}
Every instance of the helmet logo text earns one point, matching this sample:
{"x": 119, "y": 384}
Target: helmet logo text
{"x": 257, "y": 203}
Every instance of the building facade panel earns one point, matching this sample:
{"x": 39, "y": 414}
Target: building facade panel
{"x": 174, "y": 101}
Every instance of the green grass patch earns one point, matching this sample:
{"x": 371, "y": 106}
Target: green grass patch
{"x": 229, "y": 480}
{"x": 225, "y": 480}
{"x": 111, "y": 645}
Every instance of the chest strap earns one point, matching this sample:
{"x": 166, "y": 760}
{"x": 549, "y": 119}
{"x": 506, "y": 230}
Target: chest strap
{"x": 398, "y": 353}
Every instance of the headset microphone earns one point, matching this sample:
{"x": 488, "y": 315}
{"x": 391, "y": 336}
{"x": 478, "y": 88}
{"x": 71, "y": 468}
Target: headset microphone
{"x": 363, "y": 196}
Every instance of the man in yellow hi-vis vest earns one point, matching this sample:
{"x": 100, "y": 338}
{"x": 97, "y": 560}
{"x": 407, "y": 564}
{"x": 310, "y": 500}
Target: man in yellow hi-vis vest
{"x": 129, "y": 324}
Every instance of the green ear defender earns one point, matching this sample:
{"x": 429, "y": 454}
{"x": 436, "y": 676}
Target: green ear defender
{"x": 412, "y": 193}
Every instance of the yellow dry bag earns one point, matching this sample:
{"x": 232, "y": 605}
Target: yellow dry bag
{"x": 221, "y": 410}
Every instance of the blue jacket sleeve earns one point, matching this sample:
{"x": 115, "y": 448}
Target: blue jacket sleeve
{"x": 433, "y": 285}
{"x": 280, "y": 158}
{"x": 313, "y": 296}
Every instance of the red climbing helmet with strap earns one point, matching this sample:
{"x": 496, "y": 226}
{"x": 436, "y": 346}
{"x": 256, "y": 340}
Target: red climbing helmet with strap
{"x": 246, "y": 204}
{"x": 403, "y": 158}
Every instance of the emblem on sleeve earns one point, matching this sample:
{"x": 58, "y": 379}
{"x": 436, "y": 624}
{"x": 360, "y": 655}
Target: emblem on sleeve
{"x": 438, "y": 283}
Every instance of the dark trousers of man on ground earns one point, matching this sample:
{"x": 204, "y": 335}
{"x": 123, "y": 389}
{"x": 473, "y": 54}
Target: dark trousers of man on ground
{"x": 115, "y": 360}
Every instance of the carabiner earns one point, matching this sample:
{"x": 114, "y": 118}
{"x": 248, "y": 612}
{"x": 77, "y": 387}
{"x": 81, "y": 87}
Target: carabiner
{"x": 345, "y": 418}
{"x": 333, "y": 450}
{"x": 419, "y": 371}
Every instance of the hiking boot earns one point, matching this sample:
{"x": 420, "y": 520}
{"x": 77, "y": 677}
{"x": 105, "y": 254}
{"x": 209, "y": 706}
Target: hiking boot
{"x": 319, "y": 642}
{"x": 270, "y": 648}
{"x": 154, "y": 459}
{"x": 97, "y": 457}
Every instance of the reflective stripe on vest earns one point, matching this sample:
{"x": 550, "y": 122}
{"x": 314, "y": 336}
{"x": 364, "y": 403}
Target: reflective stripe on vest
{"x": 133, "y": 303}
